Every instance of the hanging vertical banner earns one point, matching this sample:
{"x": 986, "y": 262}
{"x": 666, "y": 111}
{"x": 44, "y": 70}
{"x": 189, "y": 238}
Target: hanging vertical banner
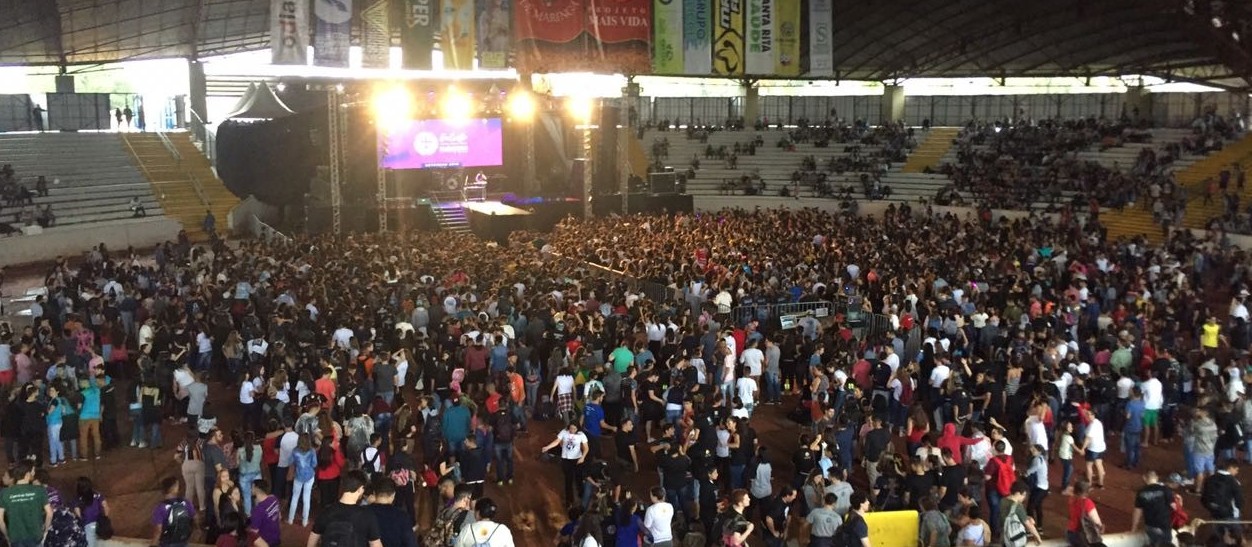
{"x": 334, "y": 30}
{"x": 787, "y": 37}
{"x": 667, "y": 37}
{"x": 417, "y": 36}
{"x": 697, "y": 37}
{"x": 821, "y": 39}
{"x": 760, "y": 37}
{"x": 376, "y": 34}
{"x": 289, "y": 32}
{"x": 728, "y": 42}
{"x": 620, "y": 35}
{"x": 494, "y": 36}
{"x": 550, "y": 34}
{"x": 456, "y": 34}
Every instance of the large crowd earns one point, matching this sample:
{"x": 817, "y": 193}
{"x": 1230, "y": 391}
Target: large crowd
{"x": 380, "y": 373}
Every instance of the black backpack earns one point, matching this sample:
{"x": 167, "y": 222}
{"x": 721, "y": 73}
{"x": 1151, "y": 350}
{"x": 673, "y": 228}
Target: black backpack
{"x": 844, "y": 536}
{"x": 178, "y": 522}
{"x": 339, "y": 533}
{"x": 504, "y": 430}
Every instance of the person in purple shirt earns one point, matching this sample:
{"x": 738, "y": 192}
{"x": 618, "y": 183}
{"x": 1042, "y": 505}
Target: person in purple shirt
{"x": 173, "y": 519}
{"x": 266, "y": 513}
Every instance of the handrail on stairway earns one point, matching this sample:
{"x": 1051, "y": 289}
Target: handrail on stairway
{"x": 191, "y": 177}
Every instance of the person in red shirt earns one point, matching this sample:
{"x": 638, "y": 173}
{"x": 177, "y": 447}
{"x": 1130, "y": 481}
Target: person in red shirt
{"x": 493, "y": 398}
{"x": 329, "y": 467}
{"x": 325, "y": 386}
{"x": 1082, "y": 508}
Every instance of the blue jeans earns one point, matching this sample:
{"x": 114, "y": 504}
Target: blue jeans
{"x": 389, "y": 396}
{"x": 504, "y": 461}
{"x": 1132, "y": 447}
{"x": 136, "y": 427}
{"x": 993, "y": 509}
{"x": 56, "y": 448}
{"x": 301, "y": 492}
{"x": 773, "y": 388}
{"x": 519, "y": 414}
{"x": 203, "y": 360}
{"x": 736, "y": 476}
{"x": 532, "y": 395}
{"x": 1067, "y": 471}
{"x": 245, "y": 489}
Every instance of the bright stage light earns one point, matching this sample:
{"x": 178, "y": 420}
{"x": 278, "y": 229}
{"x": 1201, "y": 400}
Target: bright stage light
{"x": 581, "y": 108}
{"x": 521, "y": 106}
{"x": 393, "y": 104}
{"x": 457, "y": 105}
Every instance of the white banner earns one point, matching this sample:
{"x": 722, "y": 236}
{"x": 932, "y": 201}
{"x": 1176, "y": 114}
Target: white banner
{"x": 760, "y": 37}
{"x": 289, "y": 32}
{"x": 821, "y": 39}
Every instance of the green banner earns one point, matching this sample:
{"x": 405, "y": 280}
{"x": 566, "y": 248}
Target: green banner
{"x": 787, "y": 36}
{"x": 667, "y": 37}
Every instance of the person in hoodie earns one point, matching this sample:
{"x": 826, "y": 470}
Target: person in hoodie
{"x": 954, "y": 442}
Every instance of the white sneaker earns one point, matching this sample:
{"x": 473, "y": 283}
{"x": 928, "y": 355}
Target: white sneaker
{"x": 143, "y": 445}
{"x": 133, "y": 444}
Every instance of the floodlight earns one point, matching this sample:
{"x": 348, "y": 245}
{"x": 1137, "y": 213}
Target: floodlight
{"x": 456, "y": 105}
{"x": 521, "y": 106}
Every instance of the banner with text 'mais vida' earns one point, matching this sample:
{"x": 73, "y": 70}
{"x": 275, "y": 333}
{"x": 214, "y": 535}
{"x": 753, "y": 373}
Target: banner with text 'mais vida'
{"x": 728, "y": 41}
{"x": 494, "y": 33}
{"x": 760, "y": 37}
{"x": 289, "y": 32}
{"x": 376, "y": 34}
{"x": 697, "y": 37}
{"x": 667, "y": 37}
{"x": 334, "y": 30}
{"x": 621, "y": 33}
{"x": 821, "y": 38}
{"x": 787, "y": 36}
{"x": 417, "y": 36}
{"x": 550, "y": 35}
{"x": 456, "y": 34}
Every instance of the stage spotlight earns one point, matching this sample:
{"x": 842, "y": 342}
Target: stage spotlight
{"x": 457, "y": 105}
{"x": 394, "y": 104}
{"x": 581, "y": 108}
{"x": 521, "y": 106}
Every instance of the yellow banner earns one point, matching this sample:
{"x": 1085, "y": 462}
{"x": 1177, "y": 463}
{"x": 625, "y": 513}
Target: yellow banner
{"x": 787, "y": 37}
{"x": 728, "y": 43}
{"x": 892, "y": 528}
{"x": 457, "y": 34}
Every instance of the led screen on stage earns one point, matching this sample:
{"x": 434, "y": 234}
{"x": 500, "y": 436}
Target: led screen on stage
{"x": 424, "y": 144}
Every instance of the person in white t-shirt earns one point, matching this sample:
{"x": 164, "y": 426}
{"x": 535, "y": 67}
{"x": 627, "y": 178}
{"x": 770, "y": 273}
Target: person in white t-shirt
{"x": 658, "y": 518}
{"x": 1093, "y": 447}
{"x": 484, "y": 530}
{"x": 752, "y": 358}
{"x": 574, "y": 449}
{"x": 1153, "y": 401}
{"x": 745, "y": 389}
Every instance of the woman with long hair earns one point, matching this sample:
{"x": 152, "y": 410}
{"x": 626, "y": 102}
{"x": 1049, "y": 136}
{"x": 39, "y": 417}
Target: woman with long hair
{"x": 249, "y": 455}
{"x": 304, "y": 463}
{"x": 629, "y": 524}
{"x": 916, "y": 428}
{"x": 226, "y": 500}
{"x": 236, "y": 533}
{"x": 90, "y": 506}
{"x": 589, "y": 532}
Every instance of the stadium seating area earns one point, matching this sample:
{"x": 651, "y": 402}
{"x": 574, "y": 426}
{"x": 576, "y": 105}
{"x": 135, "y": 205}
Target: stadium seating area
{"x": 90, "y": 177}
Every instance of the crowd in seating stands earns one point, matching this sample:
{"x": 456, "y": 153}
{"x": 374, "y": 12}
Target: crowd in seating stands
{"x": 15, "y": 194}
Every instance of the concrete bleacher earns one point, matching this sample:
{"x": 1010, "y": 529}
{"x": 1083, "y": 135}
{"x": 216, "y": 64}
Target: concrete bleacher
{"x": 775, "y": 165}
{"x": 94, "y": 176}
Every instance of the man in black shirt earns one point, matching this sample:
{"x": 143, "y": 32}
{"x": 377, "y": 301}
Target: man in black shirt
{"x": 394, "y": 525}
{"x": 777, "y": 514}
{"x": 676, "y": 473}
{"x": 876, "y": 442}
{"x": 1153, "y": 510}
{"x": 951, "y": 482}
{"x": 346, "y": 523}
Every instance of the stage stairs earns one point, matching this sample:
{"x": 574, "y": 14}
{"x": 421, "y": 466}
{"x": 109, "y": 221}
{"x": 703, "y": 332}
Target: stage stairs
{"x": 182, "y": 179}
{"x": 449, "y": 212}
{"x": 929, "y": 153}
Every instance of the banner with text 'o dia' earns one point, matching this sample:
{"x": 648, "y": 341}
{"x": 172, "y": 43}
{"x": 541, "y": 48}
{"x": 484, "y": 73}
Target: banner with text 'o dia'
{"x": 495, "y": 39}
{"x": 667, "y": 37}
{"x": 620, "y": 33}
{"x": 456, "y": 34}
{"x": 550, "y": 34}
{"x": 728, "y": 40}
{"x": 788, "y": 32}
{"x": 759, "y": 37}
{"x": 697, "y": 37}
{"x": 334, "y": 30}
{"x": 417, "y": 36}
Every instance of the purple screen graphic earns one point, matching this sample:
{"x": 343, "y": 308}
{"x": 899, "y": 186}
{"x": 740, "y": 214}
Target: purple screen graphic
{"x": 424, "y": 144}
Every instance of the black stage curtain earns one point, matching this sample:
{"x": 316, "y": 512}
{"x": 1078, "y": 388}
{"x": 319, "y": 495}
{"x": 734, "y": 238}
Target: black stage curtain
{"x": 273, "y": 160}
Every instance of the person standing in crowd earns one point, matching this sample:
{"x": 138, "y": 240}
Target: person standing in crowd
{"x": 1153, "y": 511}
{"x": 574, "y": 450}
{"x": 25, "y": 511}
{"x": 345, "y": 521}
{"x": 395, "y": 528}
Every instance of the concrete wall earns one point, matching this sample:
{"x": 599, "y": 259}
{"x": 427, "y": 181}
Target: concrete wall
{"x": 76, "y": 240}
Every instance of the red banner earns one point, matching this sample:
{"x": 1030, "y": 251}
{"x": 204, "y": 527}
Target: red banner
{"x": 555, "y": 21}
{"x": 617, "y": 21}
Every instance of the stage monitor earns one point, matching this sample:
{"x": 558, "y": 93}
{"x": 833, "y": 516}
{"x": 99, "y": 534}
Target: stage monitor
{"x": 442, "y": 144}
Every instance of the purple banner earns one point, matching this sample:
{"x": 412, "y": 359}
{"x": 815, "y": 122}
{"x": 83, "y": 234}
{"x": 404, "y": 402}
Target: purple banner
{"x": 422, "y": 144}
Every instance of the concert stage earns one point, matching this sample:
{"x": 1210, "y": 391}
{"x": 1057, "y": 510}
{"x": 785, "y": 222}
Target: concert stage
{"x": 494, "y": 220}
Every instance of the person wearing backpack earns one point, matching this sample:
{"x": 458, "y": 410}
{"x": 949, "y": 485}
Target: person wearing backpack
{"x": 446, "y": 528}
{"x": 1017, "y": 527}
{"x": 485, "y": 531}
{"x": 1001, "y": 474}
{"x": 504, "y": 428}
{"x": 344, "y": 523}
{"x": 854, "y": 532}
{"x": 173, "y": 519}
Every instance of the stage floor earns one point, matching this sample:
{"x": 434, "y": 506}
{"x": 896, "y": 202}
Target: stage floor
{"x": 493, "y": 208}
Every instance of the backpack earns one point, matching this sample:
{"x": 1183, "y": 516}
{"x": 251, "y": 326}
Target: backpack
{"x": 66, "y": 529}
{"x": 445, "y": 528}
{"x": 1005, "y": 474}
{"x": 340, "y": 533}
{"x": 504, "y": 430}
{"x": 485, "y": 542}
{"x": 178, "y": 522}
{"x": 844, "y": 536}
{"x": 906, "y": 391}
{"x": 1014, "y": 531}
{"x": 370, "y": 465}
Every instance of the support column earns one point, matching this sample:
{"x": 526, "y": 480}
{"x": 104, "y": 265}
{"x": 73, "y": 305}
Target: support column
{"x": 751, "y": 103}
{"x": 198, "y": 91}
{"x": 626, "y": 138}
{"x": 1137, "y": 104}
{"x": 892, "y": 104}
